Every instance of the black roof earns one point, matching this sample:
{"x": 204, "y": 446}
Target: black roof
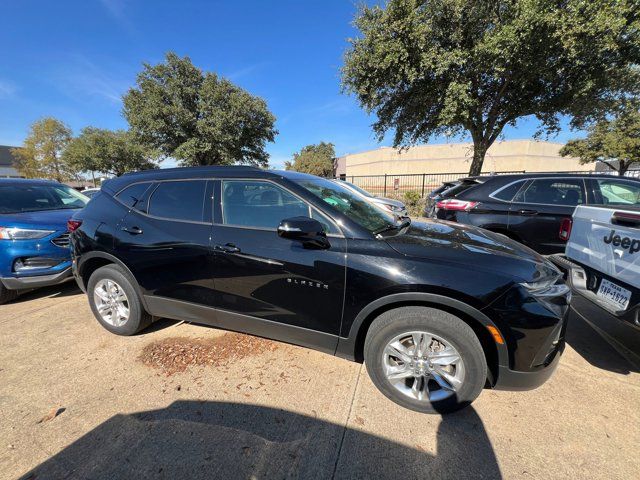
{"x": 6, "y": 157}
{"x": 518, "y": 176}
{"x": 27, "y": 181}
{"x": 116, "y": 184}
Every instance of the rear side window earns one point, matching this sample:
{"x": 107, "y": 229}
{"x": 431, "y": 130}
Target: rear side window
{"x": 553, "y": 191}
{"x": 179, "y": 200}
{"x": 619, "y": 192}
{"x": 132, "y": 194}
{"x": 507, "y": 192}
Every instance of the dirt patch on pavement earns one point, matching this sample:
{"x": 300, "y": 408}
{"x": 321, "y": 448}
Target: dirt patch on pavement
{"x": 176, "y": 354}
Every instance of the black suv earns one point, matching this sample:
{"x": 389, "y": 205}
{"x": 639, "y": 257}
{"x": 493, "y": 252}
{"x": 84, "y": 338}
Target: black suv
{"x": 437, "y": 310}
{"x": 534, "y": 209}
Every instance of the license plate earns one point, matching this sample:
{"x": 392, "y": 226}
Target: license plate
{"x": 614, "y": 294}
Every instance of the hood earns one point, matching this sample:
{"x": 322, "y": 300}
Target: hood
{"x": 472, "y": 247}
{"x": 56, "y": 219}
{"x": 389, "y": 201}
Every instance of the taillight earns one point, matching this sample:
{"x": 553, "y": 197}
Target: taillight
{"x": 73, "y": 225}
{"x": 455, "y": 204}
{"x": 565, "y": 229}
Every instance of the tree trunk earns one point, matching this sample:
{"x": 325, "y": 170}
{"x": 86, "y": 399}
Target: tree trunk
{"x": 623, "y": 167}
{"x": 479, "y": 151}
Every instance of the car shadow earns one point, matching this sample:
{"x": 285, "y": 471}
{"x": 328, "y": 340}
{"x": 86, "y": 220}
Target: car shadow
{"x": 591, "y": 346}
{"x": 207, "y": 439}
{"x": 61, "y": 290}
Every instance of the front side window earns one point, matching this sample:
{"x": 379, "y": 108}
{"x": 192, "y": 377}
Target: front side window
{"x": 619, "y": 192}
{"x": 348, "y": 202}
{"x": 258, "y": 204}
{"x": 179, "y": 200}
{"x": 34, "y": 198}
{"x": 553, "y": 191}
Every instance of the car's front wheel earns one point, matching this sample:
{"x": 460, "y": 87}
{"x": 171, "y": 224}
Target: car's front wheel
{"x": 6, "y": 295}
{"x": 425, "y": 359}
{"x": 115, "y": 302}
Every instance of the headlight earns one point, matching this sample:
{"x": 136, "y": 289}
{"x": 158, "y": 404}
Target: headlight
{"x": 15, "y": 233}
{"x": 547, "y": 288}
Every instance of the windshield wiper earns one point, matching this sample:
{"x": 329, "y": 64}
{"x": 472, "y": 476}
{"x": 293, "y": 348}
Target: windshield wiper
{"x": 391, "y": 227}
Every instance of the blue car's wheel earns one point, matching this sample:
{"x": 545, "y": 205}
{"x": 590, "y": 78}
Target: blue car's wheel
{"x": 6, "y": 295}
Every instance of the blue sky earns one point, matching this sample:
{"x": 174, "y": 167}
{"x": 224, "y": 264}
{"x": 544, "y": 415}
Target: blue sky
{"x": 74, "y": 59}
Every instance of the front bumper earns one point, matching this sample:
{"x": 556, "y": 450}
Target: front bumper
{"x": 516, "y": 380}
{"x": 25, "y": 282}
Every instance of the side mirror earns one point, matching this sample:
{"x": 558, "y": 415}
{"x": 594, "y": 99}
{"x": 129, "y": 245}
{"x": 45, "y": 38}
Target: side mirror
{"x": 305, "y": 229}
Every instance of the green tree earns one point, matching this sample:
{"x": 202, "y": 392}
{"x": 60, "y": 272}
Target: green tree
{"x": 113, "y": 152}
{"x": 314, "y": 159}
{"x": 198, "y": 118}
{"x": 614, "y": 141}
{"x": 433, "y": 67}
{"x": 41, "y": 154}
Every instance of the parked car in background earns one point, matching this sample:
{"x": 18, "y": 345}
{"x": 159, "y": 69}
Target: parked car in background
{"x": 90, "y": 192}
{"x": 448, "y": 189}
{"x": 394, "y": 206}
{"x": 265, "y": 252}
{"x": 34, "y": 241}
{"x": 602, "y": 259}
{"x": 534, "y": 209}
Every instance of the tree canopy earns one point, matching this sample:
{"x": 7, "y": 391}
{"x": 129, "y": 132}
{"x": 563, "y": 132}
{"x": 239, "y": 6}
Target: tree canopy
{"x": 433, "y": 67}
{"x": 614, "y": 141}
{"x": 314, "y": 159}
{"x": 113, "y": 152}
{"x": 198, "y": 118}
{"x": 41, "y": 154}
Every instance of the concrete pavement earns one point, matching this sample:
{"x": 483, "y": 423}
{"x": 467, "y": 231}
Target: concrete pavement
{"x": 285, "y": 413}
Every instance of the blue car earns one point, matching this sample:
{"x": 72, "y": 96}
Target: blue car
{"x": 34, "y": 241}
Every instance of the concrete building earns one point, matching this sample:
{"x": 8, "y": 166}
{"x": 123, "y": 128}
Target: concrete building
{"x": 509, "y": 155}
{"x": 7, "y": 168}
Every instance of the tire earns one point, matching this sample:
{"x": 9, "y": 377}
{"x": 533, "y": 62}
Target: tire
{"x": 468, "y": 373}
{"x": 6, "y": 295}
{"x": 136, "y": 320}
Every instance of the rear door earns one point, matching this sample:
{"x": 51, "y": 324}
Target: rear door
{"x": 165, "y": 240}
{"x": 538, "y": 209}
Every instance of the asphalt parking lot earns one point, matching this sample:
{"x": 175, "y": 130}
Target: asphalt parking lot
{"x": 79, "y": 402}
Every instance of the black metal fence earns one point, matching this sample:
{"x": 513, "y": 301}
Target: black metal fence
{"x": 425, "y": 183}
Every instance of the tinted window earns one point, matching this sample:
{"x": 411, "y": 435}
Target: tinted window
{"x": 259, "y": 204}
{"x": 507, "y": 193}
{"x": 458, "y": 188}
{"x": 328, "y": 225}
{"x": 553, "y": 191}
{"x": 182, "y": 200}
{"x": 130, "y": 195}
{"x": 33, "y": 198}
{"x": 619, "y": 192}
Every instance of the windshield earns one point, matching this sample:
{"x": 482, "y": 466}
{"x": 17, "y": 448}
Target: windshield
{"x": 359, "y": 190}
{"x": 350, "y": 203}
{"x": 34, "y": 198}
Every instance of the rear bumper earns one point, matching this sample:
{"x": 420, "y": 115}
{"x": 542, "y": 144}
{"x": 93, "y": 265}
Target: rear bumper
{"x": 515, "y": 380}
{"x": 590, "y": 305}
{"x": 25, "y": 282}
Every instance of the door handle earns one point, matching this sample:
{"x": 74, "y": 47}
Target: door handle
{"x": 227, "y": 248}
{"x": 528, "y": 212}
{"x": 132, "y": 230}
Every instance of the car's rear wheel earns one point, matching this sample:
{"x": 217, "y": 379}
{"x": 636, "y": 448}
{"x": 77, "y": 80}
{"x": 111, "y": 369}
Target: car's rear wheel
{"x": 115, "y": 302}
{"x": 425, "y": 359}
{"x": 6, "y": 295}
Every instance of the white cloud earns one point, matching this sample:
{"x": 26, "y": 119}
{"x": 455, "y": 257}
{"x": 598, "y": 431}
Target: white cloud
{"x": 6, "y": 89}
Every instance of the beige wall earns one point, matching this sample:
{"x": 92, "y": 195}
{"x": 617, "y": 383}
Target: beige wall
{"x": 528, "y": 155}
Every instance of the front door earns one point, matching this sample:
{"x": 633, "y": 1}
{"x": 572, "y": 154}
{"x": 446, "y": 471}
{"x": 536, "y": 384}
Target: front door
{"x": 261, "y": 275}
{"x": 537, "y": 211}
{"x": 165, "y": 241}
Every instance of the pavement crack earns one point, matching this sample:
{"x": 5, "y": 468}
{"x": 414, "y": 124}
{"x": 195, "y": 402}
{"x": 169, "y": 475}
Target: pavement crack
{"x": 346, "y": 423}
